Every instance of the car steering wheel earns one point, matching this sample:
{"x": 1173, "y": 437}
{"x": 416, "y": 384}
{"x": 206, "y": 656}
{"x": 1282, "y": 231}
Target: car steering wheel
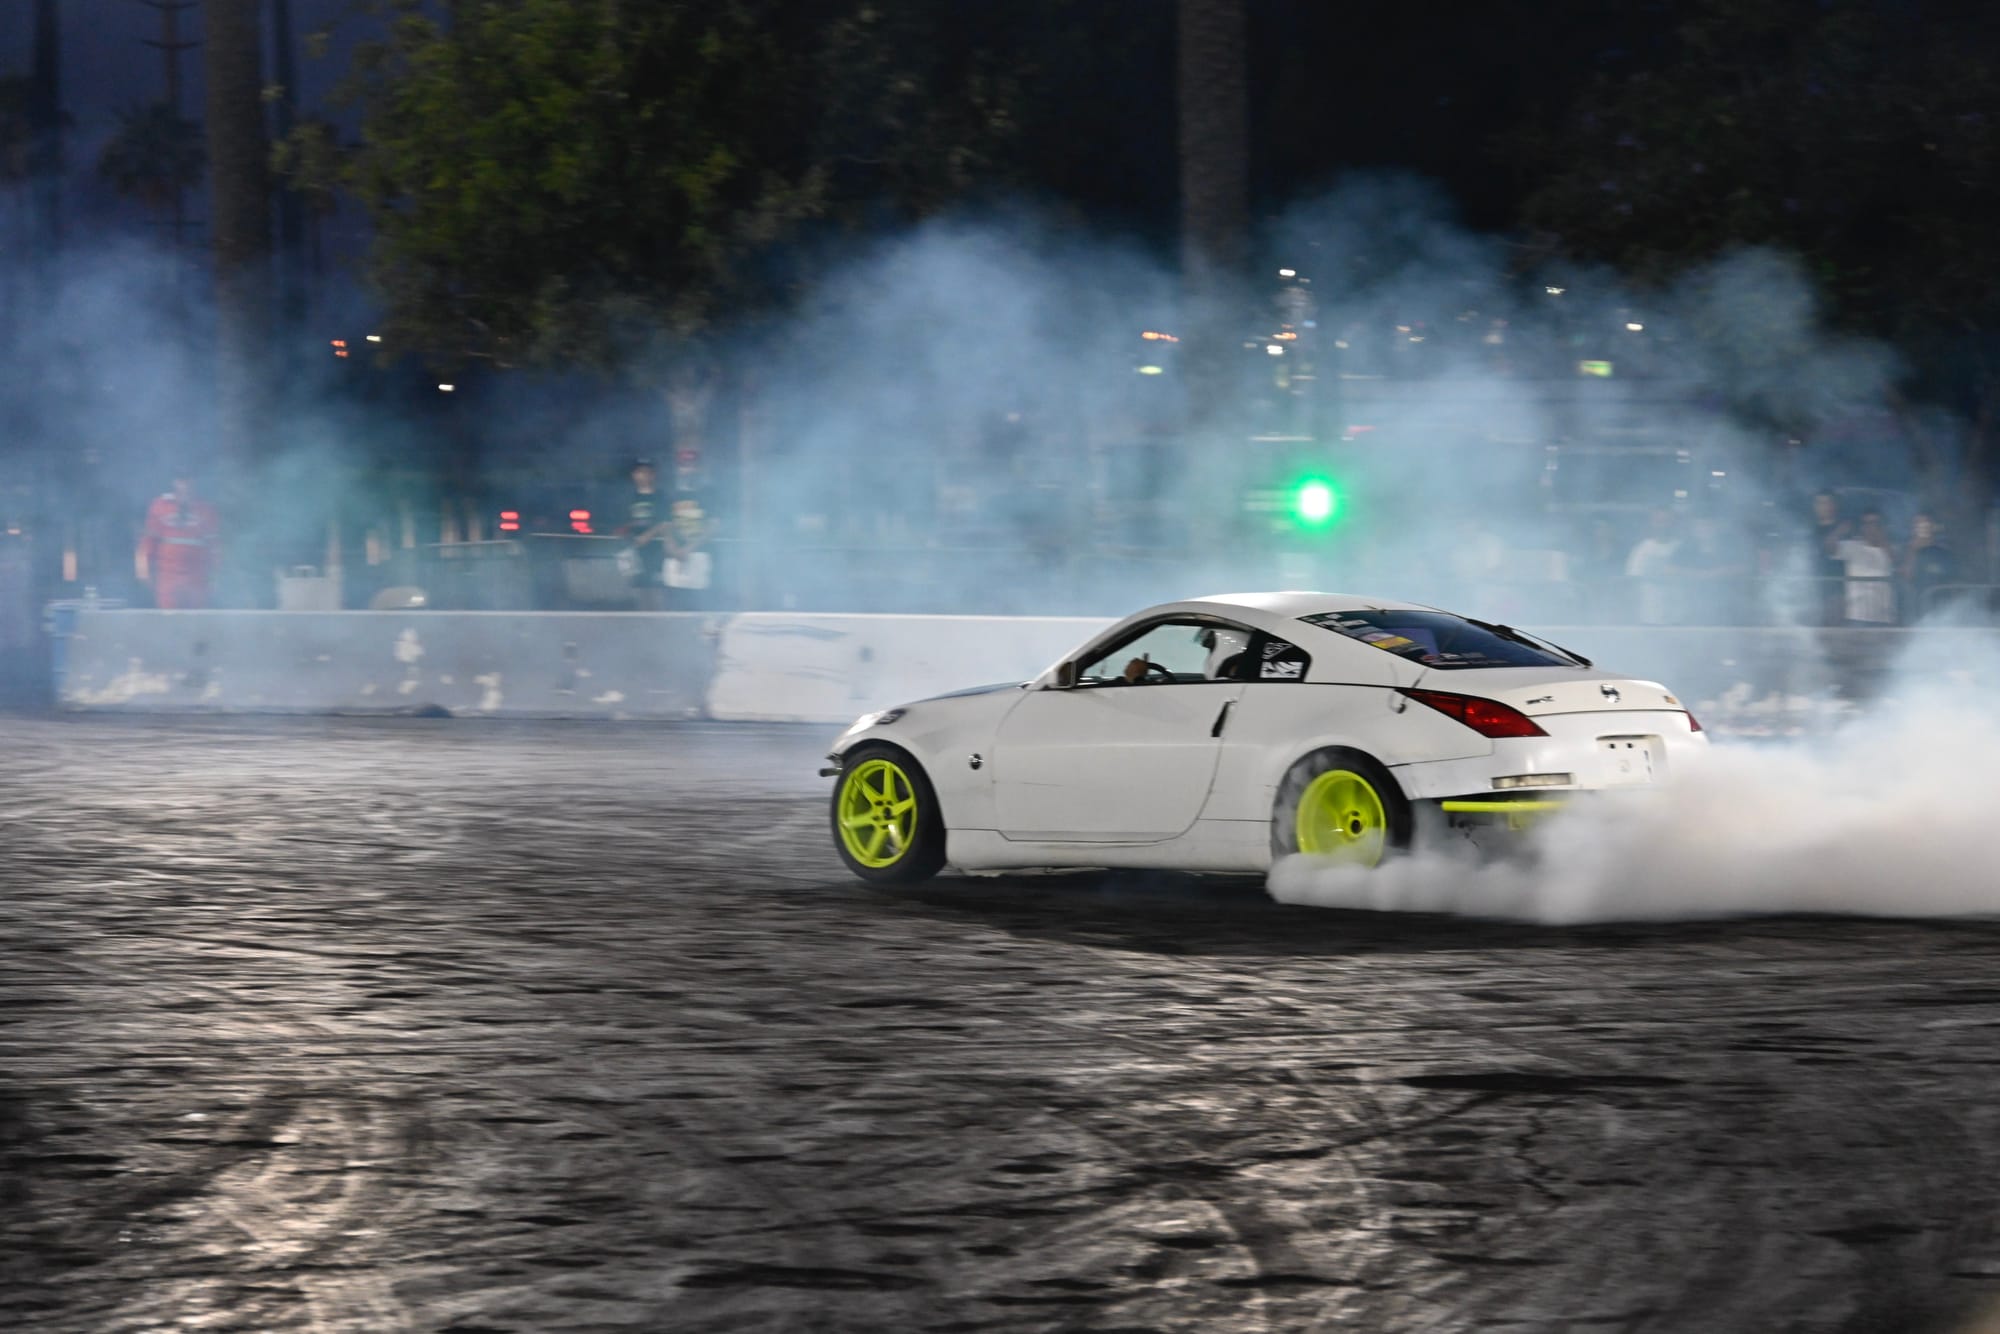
{"x": 1159, "y": 667}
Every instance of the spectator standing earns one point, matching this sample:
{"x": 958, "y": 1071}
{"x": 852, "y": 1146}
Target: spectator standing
{"x": 179, "y": 550}
{"x": 20, "y": 633}
{"x": 1869, "y": 562}
{"x": 1927, "y": 563}
{"x": 1829, "y": 571}
{"x": 1650, "y": 564}
{"x": 646, "y": 526}
{"x": 690, "y": 562}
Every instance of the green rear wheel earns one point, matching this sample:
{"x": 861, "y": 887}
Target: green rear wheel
{"x": 886, "y": 824}
{"x": 1342, "y": 805}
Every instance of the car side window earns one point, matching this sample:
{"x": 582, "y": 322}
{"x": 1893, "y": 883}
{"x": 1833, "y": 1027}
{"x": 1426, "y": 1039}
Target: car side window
{"x": 1273, "y": 659}
{"x": 1166, "y": 653}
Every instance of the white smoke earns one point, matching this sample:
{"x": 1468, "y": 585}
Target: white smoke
{"x": 1891, "y": 816}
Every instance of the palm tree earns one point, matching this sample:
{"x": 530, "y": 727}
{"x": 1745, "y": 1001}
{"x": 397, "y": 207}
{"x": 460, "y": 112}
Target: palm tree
{"x": 1214, "y": 148}
{"x": 1215, "y": 204}
{"x": 239, "y": 182}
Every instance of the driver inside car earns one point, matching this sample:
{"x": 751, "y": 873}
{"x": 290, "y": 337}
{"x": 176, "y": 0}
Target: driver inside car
{"x": 1225, "y": 654}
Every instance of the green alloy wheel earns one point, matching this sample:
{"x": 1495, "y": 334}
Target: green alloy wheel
{"x": 1342, "y": 805}
{"x": 885, "y": 817}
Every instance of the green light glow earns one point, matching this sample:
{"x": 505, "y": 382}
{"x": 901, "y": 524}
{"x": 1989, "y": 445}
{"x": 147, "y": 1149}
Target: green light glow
{"x": 1314, "y": 501}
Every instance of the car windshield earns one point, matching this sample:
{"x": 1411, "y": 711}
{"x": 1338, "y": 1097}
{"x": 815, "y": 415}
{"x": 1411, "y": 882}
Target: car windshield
{"x": 1439, "y": 639}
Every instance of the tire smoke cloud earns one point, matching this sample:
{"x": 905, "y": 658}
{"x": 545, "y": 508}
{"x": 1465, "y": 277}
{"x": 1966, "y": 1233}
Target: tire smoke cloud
{"x": 1890, "y": 815}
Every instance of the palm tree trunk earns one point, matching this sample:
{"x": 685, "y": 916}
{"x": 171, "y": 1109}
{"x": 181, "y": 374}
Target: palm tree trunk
{"x": 1214, "y": 146}
{"x": 1215, "y": 202}
{"x": 45, "y": 125}
{"x": 238, "y": 154}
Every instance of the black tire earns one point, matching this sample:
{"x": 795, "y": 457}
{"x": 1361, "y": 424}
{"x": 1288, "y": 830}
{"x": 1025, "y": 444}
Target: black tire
{"x": 922, "y": 856}
{"x": 1396, "y": 812}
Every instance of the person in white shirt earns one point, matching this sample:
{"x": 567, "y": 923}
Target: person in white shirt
{"x": 1650, "y": 565}
{"x": 1870, "y": 561}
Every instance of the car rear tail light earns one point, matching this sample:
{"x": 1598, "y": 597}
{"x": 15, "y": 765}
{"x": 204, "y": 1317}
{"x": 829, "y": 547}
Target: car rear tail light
{"x": 1694, "y": 723}
{"x": 1488, "y": 717}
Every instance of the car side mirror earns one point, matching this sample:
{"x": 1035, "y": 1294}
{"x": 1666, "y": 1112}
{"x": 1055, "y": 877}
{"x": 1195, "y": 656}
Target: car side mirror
{"x": 1065, "y": 676}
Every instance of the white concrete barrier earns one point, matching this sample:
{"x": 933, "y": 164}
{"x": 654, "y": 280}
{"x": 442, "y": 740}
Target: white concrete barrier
{"x": 496, "y": 664}
{"x": 777, "y": 667}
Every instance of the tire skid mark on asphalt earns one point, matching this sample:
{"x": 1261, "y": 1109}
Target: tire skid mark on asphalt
{"x": 1742, "y": 1275}
{"x": 1773, "y": 1125}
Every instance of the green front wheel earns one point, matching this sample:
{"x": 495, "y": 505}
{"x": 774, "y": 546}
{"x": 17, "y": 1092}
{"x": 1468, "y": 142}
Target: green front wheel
{"x": 886, "y": 824}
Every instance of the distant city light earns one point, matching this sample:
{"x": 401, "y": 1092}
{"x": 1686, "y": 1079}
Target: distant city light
{"x": 1288, "y": 273}
{"x": 1154, "y": 336}
{"x": 1149, "y": 370}
{"x": 1600, "y": 369}
{"x": 1275, "y": 350}
{"x": 374, "y": 338}
{"x": 340, "y": 342}
{"x": 446, "y": 388}
{"x": 1286, "y": 336}
{"x": 1555, "y": 291}
{"x": 1340, "y": 343}
{"x": 1634, "y": 326}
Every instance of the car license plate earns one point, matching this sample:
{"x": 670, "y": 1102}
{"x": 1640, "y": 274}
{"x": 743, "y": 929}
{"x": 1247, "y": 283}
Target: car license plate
{"x": 1631, "y": 759}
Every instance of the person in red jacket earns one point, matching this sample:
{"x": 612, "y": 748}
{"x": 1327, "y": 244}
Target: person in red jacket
{"x": 178, "y": 552}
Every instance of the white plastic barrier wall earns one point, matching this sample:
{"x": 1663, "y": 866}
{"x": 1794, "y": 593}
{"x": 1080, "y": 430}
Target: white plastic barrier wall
{"x": 775, "y": 667}
{"x": 496, "y": 664}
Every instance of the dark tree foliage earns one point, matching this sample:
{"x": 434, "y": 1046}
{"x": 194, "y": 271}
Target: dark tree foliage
{"x": 1860, "y": 135}
{"x": 154, "y": 156}
{"x": 595, "y": 182}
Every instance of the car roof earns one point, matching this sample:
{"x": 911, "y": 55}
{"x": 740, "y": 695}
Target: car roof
{"x": 1295, "y": 604}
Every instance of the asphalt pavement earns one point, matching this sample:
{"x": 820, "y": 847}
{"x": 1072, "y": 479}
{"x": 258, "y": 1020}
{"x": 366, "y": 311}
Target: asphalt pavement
{"x": 441, "y": 1025}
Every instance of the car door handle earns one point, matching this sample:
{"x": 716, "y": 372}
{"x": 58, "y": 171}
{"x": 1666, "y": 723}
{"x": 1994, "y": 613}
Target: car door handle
{"x": 1222, "y": 717}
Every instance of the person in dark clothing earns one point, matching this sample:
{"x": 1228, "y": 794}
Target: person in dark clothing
{"x": 1927, "y": 563}
{"x": 648, "y": 521}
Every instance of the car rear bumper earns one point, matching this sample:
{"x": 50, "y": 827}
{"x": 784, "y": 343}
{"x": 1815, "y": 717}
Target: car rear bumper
{"x": 1583, "y": 752}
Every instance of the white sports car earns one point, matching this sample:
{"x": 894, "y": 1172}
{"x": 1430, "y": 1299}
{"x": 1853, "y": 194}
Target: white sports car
{"x": 1222, "y": 733}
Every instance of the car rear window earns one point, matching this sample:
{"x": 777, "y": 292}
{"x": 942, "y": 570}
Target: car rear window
{"x": 1438, "y": 639}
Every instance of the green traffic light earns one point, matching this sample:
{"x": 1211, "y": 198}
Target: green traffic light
{"x": 1314, "y": 502}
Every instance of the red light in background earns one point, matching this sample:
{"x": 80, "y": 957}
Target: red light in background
{"x": 580, "y": 514}
{"x": 510, "y": 521}
{"x": 340, "y": 342}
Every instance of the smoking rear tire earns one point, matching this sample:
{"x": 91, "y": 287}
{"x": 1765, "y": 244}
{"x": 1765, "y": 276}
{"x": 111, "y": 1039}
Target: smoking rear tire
{"x": 886, "y": 822}
{"x": 1343, "y": 805}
